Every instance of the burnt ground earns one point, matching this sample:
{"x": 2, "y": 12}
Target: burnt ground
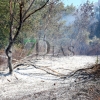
{"x": 45, "y": 83}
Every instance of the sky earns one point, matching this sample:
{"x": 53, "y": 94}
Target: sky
{"x": 76, "y": 2}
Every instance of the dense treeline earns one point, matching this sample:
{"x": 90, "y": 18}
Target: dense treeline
{"x": 35, "y": 23}
{"x": 61, "y": 26}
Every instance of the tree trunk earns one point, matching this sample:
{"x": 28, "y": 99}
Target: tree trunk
{"x": 9, "y": 55}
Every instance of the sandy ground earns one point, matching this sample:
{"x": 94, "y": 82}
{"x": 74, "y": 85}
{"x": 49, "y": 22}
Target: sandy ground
{"x": 44, "y": 80}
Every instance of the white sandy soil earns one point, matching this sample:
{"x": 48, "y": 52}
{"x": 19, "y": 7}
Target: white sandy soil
{"x": 27, "y": 79}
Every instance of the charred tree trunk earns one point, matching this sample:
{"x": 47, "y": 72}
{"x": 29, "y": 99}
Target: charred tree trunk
{"x": 9, "y": 55}
{"x": 12, "y": 39}
{"x": 8, "y": 49}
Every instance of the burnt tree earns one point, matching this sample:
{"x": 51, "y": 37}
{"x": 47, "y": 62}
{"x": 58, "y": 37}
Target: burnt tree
{"x": 22, "y": 17}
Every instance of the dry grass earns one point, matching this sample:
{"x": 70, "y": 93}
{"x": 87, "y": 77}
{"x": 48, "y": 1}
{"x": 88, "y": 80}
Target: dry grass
{"x": 2, "y": 59}
{"x": 17, "y": 54}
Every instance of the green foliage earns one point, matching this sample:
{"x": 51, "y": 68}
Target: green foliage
{"x": 48, "y": 20}
{"x": 29, "y": 40}
{"x": 69, "y": 9}
{"x": 4, "y": 22}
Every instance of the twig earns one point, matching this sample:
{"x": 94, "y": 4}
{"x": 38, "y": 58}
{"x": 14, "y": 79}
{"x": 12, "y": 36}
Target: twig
{"x": 16, "y": 77}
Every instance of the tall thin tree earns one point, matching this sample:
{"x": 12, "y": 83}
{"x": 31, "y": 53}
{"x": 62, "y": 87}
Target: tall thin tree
{"x": 23, "y": 16}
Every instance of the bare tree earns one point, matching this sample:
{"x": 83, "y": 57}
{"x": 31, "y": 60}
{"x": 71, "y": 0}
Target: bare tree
{"x": 22, "y": 16}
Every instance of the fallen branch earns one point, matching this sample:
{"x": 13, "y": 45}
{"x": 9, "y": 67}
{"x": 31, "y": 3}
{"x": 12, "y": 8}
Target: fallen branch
{"x": 93, "y": 70}
{"x": 83, "y": 74}
{"x": 46, "y": 69}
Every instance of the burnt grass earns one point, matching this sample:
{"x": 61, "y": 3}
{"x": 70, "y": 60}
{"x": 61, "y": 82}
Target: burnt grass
{"x": 85, "y": 87}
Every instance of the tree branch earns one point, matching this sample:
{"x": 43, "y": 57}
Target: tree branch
{"x": 28, "y": 8}
{"x": 11, "y": 20}
{"x": 35, "y": 11}
{"x": 16, "y": 20}
{"x": 21, "y": 5}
